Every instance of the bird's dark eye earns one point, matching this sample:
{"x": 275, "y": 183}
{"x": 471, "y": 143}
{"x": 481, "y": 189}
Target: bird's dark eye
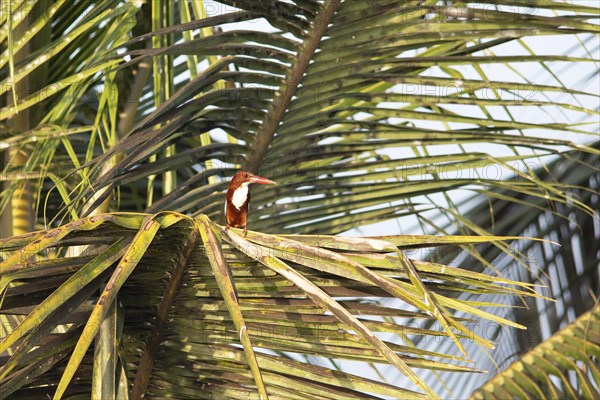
{"x": 246, "y": 175}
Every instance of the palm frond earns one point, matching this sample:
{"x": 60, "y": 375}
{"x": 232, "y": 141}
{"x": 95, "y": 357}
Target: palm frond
{"x": 363, "y": 112}
{"x": 566, "y": 272}
{"x": 234, "y": 314}
{"x": 565, "y": 365}
{"x": 320, "y": 107}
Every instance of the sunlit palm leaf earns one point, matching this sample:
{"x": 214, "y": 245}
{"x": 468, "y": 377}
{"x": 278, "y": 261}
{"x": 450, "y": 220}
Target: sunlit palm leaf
{"x": 288, "y": 297}
{"x": 568, "y": 273}
{"x": 343, "y": 103}
{"x": 329, "y": 99}
{"x": 563, "y": 366}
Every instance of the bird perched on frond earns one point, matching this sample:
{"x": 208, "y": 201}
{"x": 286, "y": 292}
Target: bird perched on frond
{"x": 238, "y": 198}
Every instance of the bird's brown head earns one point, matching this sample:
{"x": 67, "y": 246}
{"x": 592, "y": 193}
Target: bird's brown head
{"x": 245, "y": 176}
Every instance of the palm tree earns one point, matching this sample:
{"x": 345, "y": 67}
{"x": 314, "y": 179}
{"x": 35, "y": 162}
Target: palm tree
{"x": 122, "y": 122}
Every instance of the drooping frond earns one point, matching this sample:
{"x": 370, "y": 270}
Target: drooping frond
{"x": 566, "y": 271}
{"x": 187, "y": 308}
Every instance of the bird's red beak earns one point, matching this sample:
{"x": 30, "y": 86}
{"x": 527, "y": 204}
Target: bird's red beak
{"x": 261, "y": 180}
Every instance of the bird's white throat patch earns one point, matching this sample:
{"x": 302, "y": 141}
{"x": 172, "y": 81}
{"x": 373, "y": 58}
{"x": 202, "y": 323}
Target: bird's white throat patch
{"x": 240, "y": 195}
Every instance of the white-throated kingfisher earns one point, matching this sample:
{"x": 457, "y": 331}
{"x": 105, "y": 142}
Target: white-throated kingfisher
{"x": 238, "y": 198}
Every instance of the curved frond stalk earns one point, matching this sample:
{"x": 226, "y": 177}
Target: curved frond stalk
{"x": 224, "y": 278}
{"x": 283, "y": 98}
{"x": 106, "y": 355}
{"x": 321, "y": 298}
